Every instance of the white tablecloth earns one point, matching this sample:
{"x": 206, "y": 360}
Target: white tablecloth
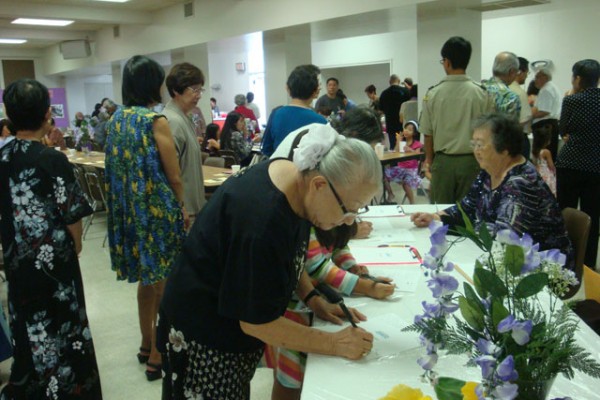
{"x": 394, "y": 355}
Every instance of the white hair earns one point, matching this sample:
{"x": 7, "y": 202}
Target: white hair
{"x": 504, "y": 63}
{"x": 351, "y": 162}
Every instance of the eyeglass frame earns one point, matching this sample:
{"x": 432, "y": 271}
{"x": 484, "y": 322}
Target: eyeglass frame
{"x": 477, "y": 145}
{"x": 197, "y": 91}
{"x": 347, "y": 214}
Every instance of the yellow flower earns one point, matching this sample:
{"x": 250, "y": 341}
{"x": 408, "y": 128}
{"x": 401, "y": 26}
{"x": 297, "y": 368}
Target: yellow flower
{"x": 403, "y": 392}
{"x": 468, "y": 391}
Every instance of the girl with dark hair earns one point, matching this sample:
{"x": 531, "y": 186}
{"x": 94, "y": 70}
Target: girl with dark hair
{"x": 41, "y": 206}
{"x": 406, "y": 172}
{"x": 146, "y": 214}
{"x": 542, "y": 158}
{"x": 233, "y": 137}
{"x": 211, "y": 144}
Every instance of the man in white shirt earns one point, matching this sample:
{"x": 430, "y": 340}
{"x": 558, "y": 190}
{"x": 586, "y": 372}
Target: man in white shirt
{"x": 515, "y": 86}
{"x": 546, "y": 110}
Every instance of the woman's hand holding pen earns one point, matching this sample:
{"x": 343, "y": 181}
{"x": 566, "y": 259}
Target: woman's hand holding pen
{"x": 380, "y": 290}
{"x": 352, "y": 343}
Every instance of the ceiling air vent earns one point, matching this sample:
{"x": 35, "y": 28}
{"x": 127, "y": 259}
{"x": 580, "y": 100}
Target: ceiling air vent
{"x": 188, "y": 9}
{"x": 506, "y": 4}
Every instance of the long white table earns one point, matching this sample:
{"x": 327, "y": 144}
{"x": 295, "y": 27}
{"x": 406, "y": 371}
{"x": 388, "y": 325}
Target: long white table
{"x": 394, "y": 355}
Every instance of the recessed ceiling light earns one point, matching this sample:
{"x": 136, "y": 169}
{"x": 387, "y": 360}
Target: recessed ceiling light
{"x": 44, "y": 22}
{"x": 13, "y": 41}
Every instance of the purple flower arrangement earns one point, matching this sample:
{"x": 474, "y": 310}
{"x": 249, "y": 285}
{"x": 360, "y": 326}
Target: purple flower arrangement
{"x": 519, "y": 343}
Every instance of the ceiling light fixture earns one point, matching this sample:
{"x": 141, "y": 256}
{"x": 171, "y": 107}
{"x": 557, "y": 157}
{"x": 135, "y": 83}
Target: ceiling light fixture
{"x": 43, "y": 22}
{"x": 12, "y": 41}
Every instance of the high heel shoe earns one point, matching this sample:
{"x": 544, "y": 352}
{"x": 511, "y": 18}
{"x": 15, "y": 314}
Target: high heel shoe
{"x": 153, "y": 375}
{"x": 143, "y": 358}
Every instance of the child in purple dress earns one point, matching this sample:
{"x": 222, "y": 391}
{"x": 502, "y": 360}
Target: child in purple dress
{"x": 406, "y": 172}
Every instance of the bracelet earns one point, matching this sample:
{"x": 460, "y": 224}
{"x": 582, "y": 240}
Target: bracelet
{"x": 310, "y": 295}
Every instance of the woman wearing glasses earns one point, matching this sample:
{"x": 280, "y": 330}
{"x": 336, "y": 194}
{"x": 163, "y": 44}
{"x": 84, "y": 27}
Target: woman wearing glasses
{"x": 184, "y": 84}
{"x": 245, "y": 256}
{"x": 328, "y": 258}
{"x": 508, "y": 193}
{"x": 145, "y": 197}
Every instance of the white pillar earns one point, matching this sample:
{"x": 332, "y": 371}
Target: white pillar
{"x": 434, "y": 27}
{"x": 284, "y": 50}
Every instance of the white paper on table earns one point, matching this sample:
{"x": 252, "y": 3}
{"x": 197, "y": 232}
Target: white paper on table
{"x": 385, "y": 236}
{"x": 406, "y": 278}
{"x": 384, "y": 255}
{"x": 388, "y": 338}
{"x": 384, "y": 211}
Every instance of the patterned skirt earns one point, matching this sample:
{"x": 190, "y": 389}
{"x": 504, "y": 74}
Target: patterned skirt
{"x": 197, "y": 372}
{"x": 403, "y": 175}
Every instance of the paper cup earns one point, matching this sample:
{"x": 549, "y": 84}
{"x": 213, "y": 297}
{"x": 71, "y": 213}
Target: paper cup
{"x": 235, "y": 168}
{"x": 401, "y": 146}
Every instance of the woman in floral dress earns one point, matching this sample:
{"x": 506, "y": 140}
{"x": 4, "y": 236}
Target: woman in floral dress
{"x": 144, "y": 197}
{"x": 42, "y": 206}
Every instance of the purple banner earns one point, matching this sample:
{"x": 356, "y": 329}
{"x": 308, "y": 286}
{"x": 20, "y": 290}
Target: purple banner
{"x": 58, "y": 106}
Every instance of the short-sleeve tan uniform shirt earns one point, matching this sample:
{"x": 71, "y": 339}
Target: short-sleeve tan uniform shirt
{"x": 448, "y": 111}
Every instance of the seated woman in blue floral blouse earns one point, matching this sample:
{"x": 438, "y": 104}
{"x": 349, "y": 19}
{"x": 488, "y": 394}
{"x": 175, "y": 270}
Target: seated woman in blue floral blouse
{"x": 508, "y": 193}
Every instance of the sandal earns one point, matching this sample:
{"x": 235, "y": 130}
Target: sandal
{"x": 153, "y": 375}
{"x": 143, "y": 356}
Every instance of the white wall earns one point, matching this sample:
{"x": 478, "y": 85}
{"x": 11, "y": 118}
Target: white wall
{"x": 84, "y": 92}
{"x": 354, "y": 80}
{"x": 563, "y": 35}
{"x": 222, "y": 57}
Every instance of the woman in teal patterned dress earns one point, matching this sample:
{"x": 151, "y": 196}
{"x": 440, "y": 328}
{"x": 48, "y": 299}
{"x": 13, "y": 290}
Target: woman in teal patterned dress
{"x": 41, "y": 207}
{"x": 144, "y": 197}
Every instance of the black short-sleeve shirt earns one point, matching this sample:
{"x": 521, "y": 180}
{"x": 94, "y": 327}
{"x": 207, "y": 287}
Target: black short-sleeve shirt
{"x": 241, "y": 262}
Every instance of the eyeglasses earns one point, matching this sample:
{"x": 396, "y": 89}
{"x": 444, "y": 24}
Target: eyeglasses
{"x": 197, "y": 90}
{"x": 476, "y": 145}
{"x": 347, "y": 214}
{"x": 442, "y": 60}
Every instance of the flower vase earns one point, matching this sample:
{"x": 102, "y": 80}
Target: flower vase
{"x": 534, "y": 390}
{"x": 86, "y": 148}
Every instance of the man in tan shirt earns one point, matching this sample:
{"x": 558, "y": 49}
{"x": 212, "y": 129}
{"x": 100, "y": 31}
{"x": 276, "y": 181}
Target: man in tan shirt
{"x": 448, "y": 109}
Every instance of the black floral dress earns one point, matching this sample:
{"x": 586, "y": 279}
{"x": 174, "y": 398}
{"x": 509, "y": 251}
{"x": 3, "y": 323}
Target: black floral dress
{"x": 53, "y": 350}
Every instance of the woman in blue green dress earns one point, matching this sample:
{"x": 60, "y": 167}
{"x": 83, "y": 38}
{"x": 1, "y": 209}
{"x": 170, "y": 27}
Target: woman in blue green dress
{"x": 144, "y": 197}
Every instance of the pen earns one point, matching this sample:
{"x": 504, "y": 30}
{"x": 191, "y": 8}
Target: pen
{"x": 374, "y": 279}
{"x": 334, "y": 297}
{"x": 347, "y": 314}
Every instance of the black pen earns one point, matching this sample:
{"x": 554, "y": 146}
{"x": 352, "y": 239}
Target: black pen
{"x": 335, "y": 298}
{"x": 347, "y": 313}
{"x": 374, "y": 279}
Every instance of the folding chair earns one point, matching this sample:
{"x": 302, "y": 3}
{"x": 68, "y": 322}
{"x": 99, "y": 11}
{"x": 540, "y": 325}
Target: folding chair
{"x": 95, "y": 182}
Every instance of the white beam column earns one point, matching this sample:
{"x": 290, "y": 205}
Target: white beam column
{"x": 435, "y": 25}
{"x": 284, "y": 50}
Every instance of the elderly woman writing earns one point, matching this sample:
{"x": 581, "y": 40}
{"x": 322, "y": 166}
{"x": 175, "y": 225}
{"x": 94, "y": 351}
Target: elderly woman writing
{"x": 508, "y": 193}
{"x": 240, "y": 264}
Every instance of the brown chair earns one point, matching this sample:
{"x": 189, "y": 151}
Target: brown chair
{"x": 578, "y": 228}
{"x": 215, "y": 162}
